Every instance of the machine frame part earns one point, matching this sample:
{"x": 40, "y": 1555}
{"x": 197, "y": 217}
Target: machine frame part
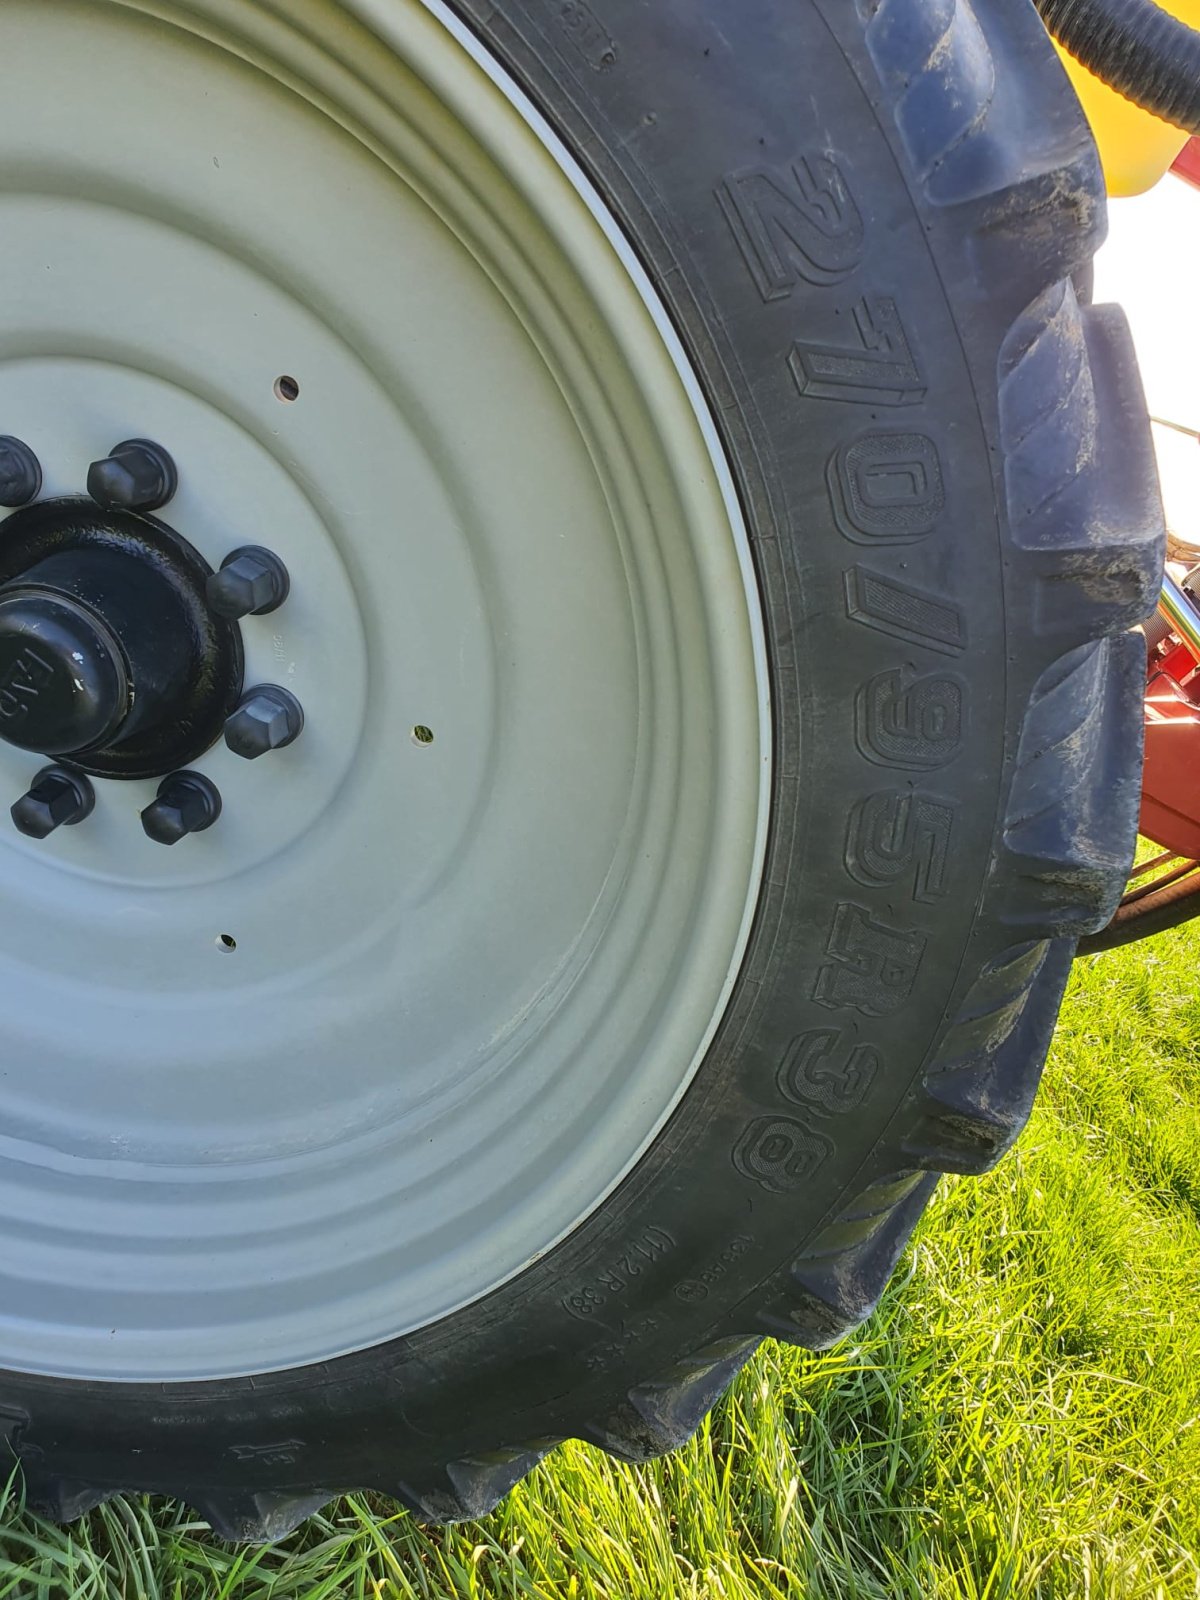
{"x": 862, "y": 223}
{"x": 1164, "y": 892}
{"x": 1187, "y": 163}
{"x": 1169, "y": 899}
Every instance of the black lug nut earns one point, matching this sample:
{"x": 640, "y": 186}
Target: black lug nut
{"x": 56, "y": 796}
{"x": 267, "y": 719}
{"x": 187, "y": 802}
{"x": 137, "y": 475}
{"x": 251, "y": 582}
{"x": 20, "y": 472}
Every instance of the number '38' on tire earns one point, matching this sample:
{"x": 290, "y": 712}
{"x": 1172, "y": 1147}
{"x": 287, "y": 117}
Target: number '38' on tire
{"x": 684, "y": 716}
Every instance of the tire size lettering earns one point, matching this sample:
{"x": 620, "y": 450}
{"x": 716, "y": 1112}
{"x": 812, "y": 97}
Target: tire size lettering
{"x": 586, "y": 34}
{"x": 779, "y": 1153}
{"x": 912, "y": 722}
{"x": 891, "y": 835}
{"x": 906, "y": 613}
{"x": 873, "y": 966}
{"x": 792, "y": 223}
{"x": 820, "y": 1070}
{"x": 883, "y": 371}
{"x": 887, "y": 488}
{"x": 795, "y": 225}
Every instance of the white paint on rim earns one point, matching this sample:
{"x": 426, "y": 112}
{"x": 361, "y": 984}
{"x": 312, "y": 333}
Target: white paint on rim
{"x": 202, "y": 1181}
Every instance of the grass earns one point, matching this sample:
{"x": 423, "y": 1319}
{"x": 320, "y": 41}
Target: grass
{"x": 1020, "y": 1418}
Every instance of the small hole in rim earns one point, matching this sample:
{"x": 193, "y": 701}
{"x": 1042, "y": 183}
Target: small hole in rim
{"x": 225, "y": 941}
{"x": 422, "y": 735}
{"x": 286, "y": 388}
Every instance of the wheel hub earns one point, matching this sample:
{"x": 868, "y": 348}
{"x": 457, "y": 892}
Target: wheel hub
{"x": 109, "y": 653}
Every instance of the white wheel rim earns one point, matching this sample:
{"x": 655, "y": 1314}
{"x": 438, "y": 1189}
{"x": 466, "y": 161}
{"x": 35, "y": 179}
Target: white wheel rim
{"x": 470, "y": 978}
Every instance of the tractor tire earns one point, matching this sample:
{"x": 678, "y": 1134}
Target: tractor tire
{"x": 857, "y": 226}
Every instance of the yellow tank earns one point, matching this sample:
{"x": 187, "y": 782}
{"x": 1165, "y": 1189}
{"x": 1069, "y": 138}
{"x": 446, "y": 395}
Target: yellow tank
{"x": 1136, "y": 148}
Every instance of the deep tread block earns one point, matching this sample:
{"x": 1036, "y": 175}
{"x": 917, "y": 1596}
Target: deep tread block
{"x": 1047, "y": 406}
{"x": 1062, "y": 736}
{"x": 257, "y": 1516}
{"x": 470, "y": 1487}
{"x": 978, "y": 1091}
{"x": 865, "y": 1215}
{"x": 837, "y": 1292}
{"x": 1036, "y": 206}
{"x": 1080, "y": 476}
{"x": 481, "y": 1482}
{"x": 663, "y": 1413}
{"x": 1072, "y": 818}
{"x": 991, "y": 1010}
{"x": 62, "y": 1499}
{"x": 936, "y": 60}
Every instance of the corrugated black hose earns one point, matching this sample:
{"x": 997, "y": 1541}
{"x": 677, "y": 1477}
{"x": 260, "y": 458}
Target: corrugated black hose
{"x": 1137, "y": 49}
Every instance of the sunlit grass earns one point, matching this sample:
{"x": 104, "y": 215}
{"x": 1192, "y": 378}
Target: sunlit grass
{"x": 1019, "y": 1419}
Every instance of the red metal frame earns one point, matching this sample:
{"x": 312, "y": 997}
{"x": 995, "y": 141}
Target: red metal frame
{"x": 1187, "y": 163}
{"x": 1171, "y": 775}
{"x": 1170, "y": 790}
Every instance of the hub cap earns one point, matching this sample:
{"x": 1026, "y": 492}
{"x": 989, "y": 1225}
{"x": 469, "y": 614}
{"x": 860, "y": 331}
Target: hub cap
{"x": 433, "y": 973}
{"x": 109, "y": 652}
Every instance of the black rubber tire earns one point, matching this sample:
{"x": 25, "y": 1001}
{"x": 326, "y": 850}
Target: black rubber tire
{"x": 865, "y": 219}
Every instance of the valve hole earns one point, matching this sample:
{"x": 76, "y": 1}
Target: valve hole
{"x": 286, "y": 388}
{"x": 225, "y": 941}
{"x": 422, "y": 735}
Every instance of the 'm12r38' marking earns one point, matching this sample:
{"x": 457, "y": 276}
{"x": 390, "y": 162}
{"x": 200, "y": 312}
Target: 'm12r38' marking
{"x": 642, "y": 1252}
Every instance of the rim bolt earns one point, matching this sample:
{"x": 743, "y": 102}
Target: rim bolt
{"x": 187, "y": 802}
{"x": 251, "y": 582}
{"x": 137, "y": 475}
{"x": 56, "y": 796}
{"x": 20, "y": 472}
{"x": 267, "y": 719}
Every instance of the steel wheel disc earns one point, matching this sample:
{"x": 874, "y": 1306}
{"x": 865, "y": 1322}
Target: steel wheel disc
{"x": 378, "y": 1039}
